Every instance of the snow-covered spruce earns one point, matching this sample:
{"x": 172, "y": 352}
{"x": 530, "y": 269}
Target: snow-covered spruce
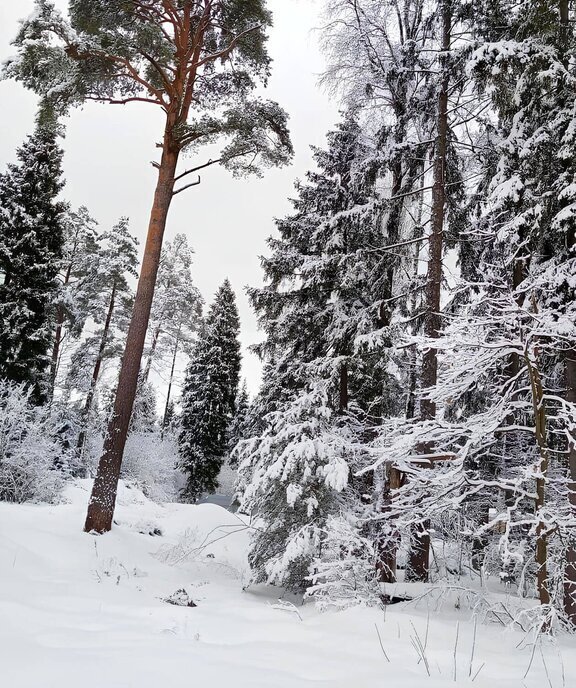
{"x": 209, "y": 396}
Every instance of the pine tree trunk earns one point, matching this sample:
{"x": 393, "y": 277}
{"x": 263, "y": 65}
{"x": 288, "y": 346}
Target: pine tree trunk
{"x": 103, "y": 498}
{"x": 418, "y": 559}
{"x": 96, "y": 373}
{"x": 388, "y": 550}
{"x": 167, "y": 406}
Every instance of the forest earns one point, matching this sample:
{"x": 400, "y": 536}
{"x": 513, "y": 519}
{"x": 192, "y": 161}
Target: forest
{"x": 414, "y": 431}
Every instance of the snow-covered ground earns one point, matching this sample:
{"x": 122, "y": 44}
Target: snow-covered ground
{"x": 83, "y": 611}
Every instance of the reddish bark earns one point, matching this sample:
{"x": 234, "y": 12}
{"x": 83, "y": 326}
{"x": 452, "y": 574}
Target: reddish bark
{"x": 176, "y": 100}
{"x": 103, "y": 499}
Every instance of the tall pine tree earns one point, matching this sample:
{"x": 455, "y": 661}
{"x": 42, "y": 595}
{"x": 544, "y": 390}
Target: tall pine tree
{"x": 198, "y": 64}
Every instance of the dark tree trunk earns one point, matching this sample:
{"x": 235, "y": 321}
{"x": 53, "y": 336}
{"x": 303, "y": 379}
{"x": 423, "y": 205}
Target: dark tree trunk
{"x": 58, "y": 337}
{"x": 418, "y": 559}
{"x": 387, "y": 551}
{"x": 167, "y": 406}
{"x": 148, "y": 367}
{"x": 96, "y": 373}
{"x": 570, "y": 571}
{"x": 103, "y": 498}
{"x": 540, "y": 431}
{"x": 432, "y": 320}
{"x": 343, "y": 401}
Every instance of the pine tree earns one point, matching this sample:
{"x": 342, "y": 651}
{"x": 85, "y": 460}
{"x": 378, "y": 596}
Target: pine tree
{"x": 198, "y": 64}
{"x": 209, "y": 396}
{"x": 177, "y": 305}
{"x": 32, "y": 223}
{"x": 110, "y": 308}
{"x": 78, "y": 277}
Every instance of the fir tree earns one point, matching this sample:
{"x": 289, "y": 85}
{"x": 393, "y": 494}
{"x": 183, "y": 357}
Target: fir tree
{"x": 240, "y": 425}
{"x": 209, "y": 396}
{"x": 325, "y": 291}
{"x": 32, "y": 223}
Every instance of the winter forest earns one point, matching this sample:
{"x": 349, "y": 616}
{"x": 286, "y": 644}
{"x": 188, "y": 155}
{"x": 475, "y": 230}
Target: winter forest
{"x": 379, "y": 486}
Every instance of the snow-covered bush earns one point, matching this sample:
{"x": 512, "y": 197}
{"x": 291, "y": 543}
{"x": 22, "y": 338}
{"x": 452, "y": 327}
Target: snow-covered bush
{"x": 31, "y": 453}
{"x": 344, "y": 574}
{"x": 149, "y": 463}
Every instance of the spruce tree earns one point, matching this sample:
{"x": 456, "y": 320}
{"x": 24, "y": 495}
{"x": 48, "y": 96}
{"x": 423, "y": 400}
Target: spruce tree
{"x": 209, "y": 396}
{"x": 529, "y": 230}
{"x": 326, "y": 289}
{"x": 240, "y": 425}
{"x": 31, "y": 245}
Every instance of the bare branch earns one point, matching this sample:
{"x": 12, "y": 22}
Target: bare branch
{"x": 186, "y": 187}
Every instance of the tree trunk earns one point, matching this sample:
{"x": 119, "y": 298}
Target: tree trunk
{"x": 103, "y": 498}
{"x": 412, "y": 350}
{"x": 96, "y": 373}
{"x": 148, "y": 367}
{"x": 570, "y": 570}
{"x": 432, "y": 321}
{"x": 418, "y": 558}
{"x": 570, "y": 377}
{"x": 388, "y": 550}
{"x": 541, "y": 441}
{"x": 167, "y": 406}
{"x": 343, "y": 401}
{"x": 58, "y": 337}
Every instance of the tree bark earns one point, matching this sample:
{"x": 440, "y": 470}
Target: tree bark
{"x": 570, "y": 569}
{"x": 96, "y": 373}
{"x": 541, "y": 441}
{"x": 432, "y": 321}
{"x": 570, "y": 376}
{"x": 343, "y": 392}
{"x": 103, "y": 498}
{"x": 418, "y": 559}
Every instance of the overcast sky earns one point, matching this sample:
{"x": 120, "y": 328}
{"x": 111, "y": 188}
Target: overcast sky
{"x": 109, "y": 149}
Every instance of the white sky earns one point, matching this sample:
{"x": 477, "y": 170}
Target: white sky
{"x": 109, "y": 149}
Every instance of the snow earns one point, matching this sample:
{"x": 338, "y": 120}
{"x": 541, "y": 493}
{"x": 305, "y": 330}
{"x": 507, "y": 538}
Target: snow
{"x": 81, "y": 610}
